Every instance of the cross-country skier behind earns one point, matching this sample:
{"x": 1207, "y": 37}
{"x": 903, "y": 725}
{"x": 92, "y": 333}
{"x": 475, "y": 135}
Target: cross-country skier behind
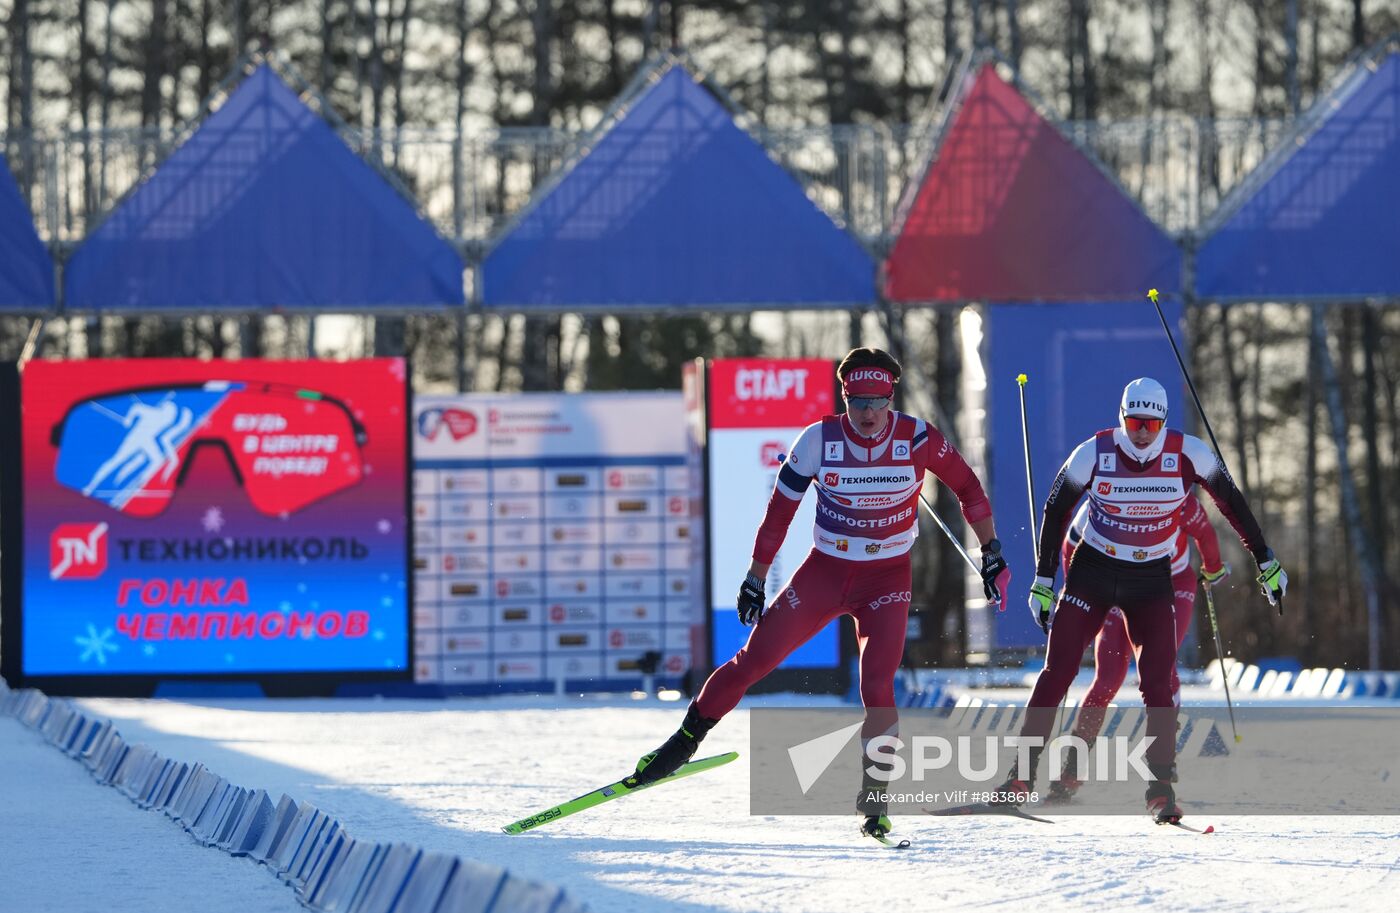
{"x": 1136, "y": 475}
{"x": 1112, "y": 646}
{"x": 868, "y": 466}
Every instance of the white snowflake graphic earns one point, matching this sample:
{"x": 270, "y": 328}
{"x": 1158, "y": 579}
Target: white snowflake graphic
{"x": 213, "y": 520}
{"x": 384, "y": 526}
{"x": 96, "y": 645}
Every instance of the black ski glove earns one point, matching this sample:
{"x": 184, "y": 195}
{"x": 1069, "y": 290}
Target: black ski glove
{"x": 996, "y": 576}
{"x": 751, "y": 600}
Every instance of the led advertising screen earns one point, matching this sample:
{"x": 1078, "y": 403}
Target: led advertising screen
{"x": 182, "y": 518}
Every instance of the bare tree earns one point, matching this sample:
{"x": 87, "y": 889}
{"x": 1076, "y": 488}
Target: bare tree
{"x": 21, "y": 95}
{"x": 1013, "y": 28}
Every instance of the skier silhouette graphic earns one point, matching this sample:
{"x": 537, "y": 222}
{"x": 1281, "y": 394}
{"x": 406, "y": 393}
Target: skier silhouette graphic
{"x": 148, "y": 448}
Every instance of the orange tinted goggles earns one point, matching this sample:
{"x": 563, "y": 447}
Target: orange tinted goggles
{"x": 1134, "y": 423}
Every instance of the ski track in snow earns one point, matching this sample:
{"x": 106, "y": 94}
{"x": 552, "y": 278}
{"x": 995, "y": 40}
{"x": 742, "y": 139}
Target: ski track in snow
{"x": 446, "y": 775}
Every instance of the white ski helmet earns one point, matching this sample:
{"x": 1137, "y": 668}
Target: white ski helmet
{"x": 1144, "y": 396}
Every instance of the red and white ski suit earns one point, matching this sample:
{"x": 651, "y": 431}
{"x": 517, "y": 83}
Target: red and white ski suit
{"x": 1125, "y": 561}
{"x": 867, "y": 520}
{"x": 1112, "y": 647}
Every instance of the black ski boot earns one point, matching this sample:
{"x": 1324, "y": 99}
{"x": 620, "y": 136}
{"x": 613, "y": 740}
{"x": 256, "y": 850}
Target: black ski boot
{"x": 675, "y": 751}
{"x": 1063, "y": 789}
{"x": 1161, "y": 802}
{"x": 871, "y": 801}
{"x": 1017, "y": 787}
{"x": 876, "y": 826}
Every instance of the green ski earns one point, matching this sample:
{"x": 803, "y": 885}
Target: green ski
{"x": 613, "y": 791}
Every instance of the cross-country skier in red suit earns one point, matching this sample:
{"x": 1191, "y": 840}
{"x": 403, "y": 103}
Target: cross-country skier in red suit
{"x": 868, "y": 466}
{"x": 1112, "y": 646}
{"x": 1137, "y": 476}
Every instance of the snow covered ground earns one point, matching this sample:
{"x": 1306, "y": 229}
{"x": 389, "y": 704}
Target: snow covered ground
{"x": 68, "y": 845}
{"x": 447, "y": 775}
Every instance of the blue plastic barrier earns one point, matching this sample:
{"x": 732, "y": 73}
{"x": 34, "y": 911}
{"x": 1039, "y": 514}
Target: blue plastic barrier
{"x": 313, "y": 853}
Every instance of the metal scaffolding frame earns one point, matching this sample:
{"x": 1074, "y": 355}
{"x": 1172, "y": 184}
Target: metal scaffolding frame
{"x": 1178, "y": 168}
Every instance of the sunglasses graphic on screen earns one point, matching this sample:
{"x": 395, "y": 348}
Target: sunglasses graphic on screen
{"x": 288, "y": 447}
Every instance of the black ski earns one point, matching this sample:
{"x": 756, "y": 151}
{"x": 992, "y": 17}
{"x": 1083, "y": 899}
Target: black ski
{"x": 1209, "y": 828}
{"x": 901, "y": 845}
{"x": 877, "y": 827}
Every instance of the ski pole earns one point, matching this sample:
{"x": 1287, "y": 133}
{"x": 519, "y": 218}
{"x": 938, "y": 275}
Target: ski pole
{"x": 1030, "y": 482}
{"x": 949, "y": 533}
{"x": 1035, "y": 534}
{"x": 1181, "y": 362}
{"x": 1220, "y": 654}
{"x": 31, "y": 342}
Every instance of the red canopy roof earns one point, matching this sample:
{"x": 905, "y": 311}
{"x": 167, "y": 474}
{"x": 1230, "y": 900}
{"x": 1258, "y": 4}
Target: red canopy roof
{"x": 1010, "y": 210}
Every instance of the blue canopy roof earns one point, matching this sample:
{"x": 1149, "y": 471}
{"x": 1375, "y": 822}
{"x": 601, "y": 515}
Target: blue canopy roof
{"x": 26, "y": 270}
{"x": 264, "y": 207}
{"x": 676, "y": 206}
{"x": 1321, "y": 218}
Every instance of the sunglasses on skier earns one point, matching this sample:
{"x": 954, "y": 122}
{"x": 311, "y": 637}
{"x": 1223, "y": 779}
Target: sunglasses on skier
{"x": 1134, "y": 423}
{"x": 857, "y": 403}
{"x": 286, "y": 446}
